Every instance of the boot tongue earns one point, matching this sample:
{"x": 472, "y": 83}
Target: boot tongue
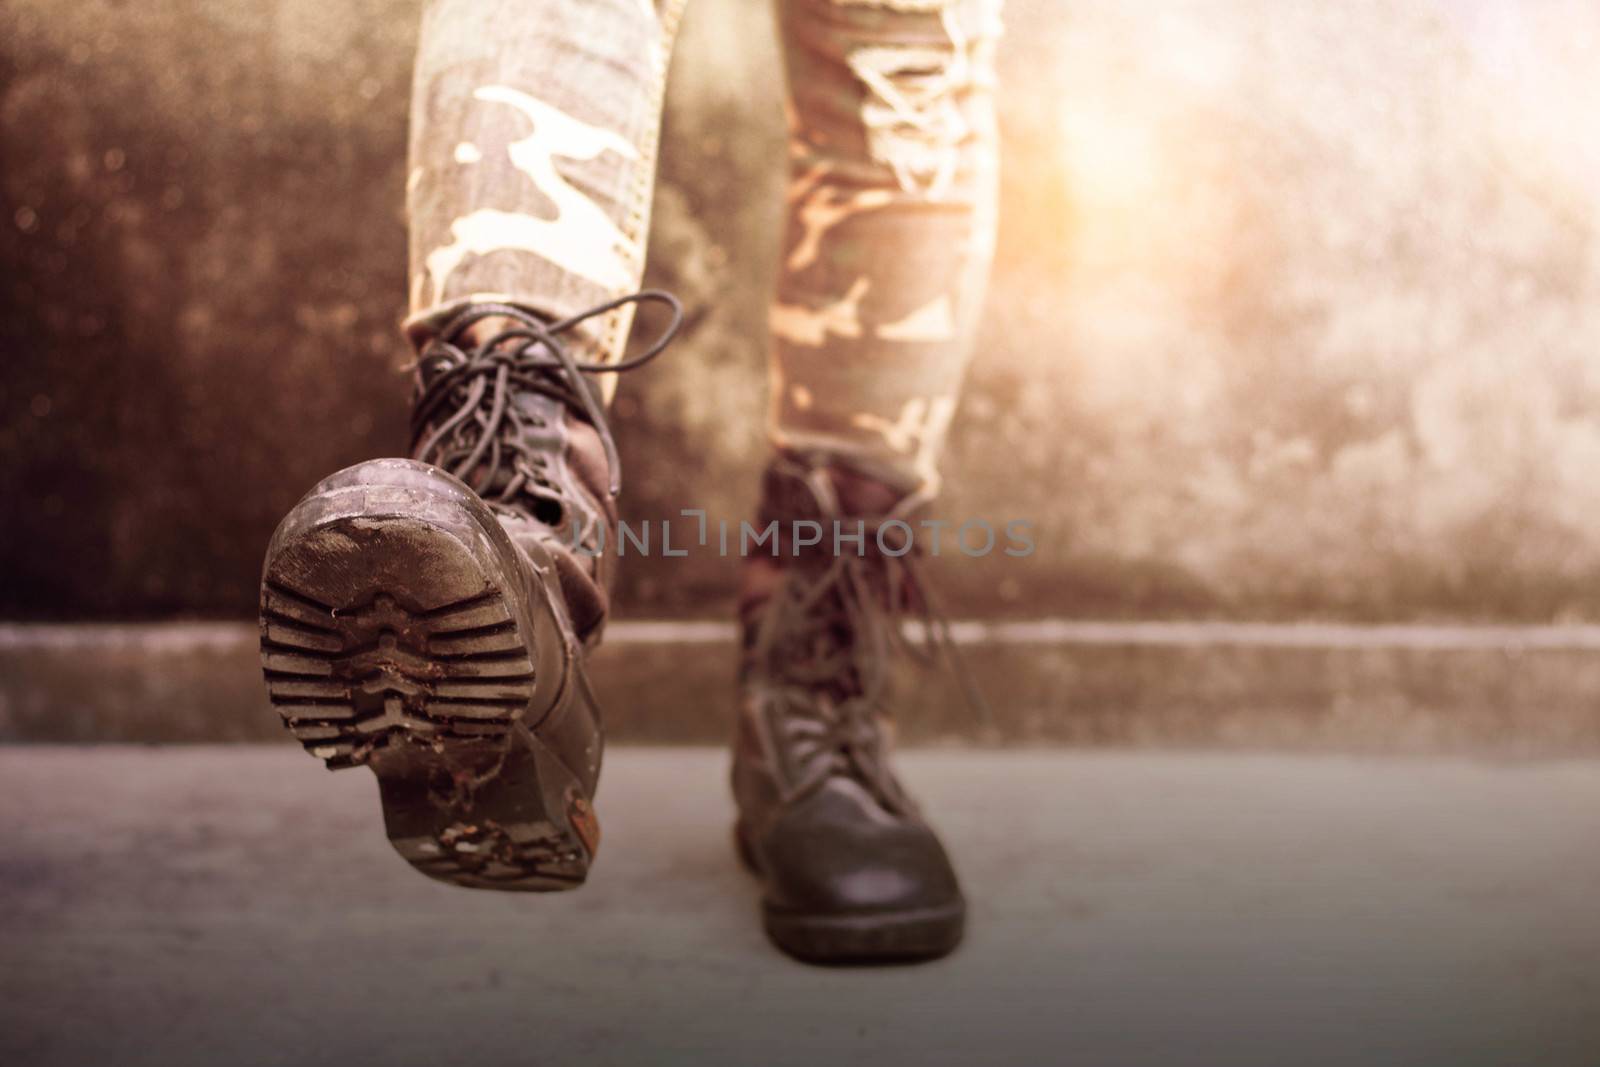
{"x": 586, "y": 458}
{"x": 794, "y": 492}
{"x": 861, "y": 496}
{"x": 584, "y": 451}
{"x": 584, "y": 455}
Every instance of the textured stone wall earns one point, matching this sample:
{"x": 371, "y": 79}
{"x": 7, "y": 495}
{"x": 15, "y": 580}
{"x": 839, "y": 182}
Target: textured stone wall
{"x": 1297, "y": 307}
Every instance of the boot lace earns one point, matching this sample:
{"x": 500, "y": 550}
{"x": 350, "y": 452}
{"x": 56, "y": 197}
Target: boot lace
{"x": 834, "y": 632}
{"x": 465, "y": 420}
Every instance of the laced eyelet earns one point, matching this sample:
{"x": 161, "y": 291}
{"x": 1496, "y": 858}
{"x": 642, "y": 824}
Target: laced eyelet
{"x": 465, "y": 421}
{"x": 549, "y": 511}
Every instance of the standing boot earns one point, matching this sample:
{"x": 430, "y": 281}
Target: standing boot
{"x": 429, "y": 617}
{"x": 851, "y": 871}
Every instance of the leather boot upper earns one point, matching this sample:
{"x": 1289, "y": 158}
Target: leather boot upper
{"x": 500, "y": 405}
{"x": 826, "y": 821}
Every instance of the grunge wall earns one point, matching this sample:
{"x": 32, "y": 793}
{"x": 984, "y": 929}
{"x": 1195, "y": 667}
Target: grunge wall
{"x": 1296, "y": 314}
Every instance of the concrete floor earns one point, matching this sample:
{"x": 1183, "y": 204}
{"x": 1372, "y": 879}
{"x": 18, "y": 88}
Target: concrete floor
{"x": 229, "y": 905}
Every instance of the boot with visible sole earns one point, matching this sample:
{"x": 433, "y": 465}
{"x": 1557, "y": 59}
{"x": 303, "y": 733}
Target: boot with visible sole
{"x": 437, "y": 633}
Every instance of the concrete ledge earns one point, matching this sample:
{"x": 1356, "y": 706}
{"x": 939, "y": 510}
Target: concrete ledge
{"x": 1506, "y": 690}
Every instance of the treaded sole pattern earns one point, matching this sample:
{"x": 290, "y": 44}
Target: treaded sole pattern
{"x": 387, "y": 641}
{"x": 348, "y": 681}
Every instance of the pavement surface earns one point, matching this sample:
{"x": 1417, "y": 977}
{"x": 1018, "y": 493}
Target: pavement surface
{"x": 238, "y": 904}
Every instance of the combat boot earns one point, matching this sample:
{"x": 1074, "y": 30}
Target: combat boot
{"x": 430, "y": 617}
{"x": 851, "y": 870}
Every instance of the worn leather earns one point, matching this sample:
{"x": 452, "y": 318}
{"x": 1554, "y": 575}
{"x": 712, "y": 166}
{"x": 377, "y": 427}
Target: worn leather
{"x": 580, "y": 512}
{"x": 565, "y": 505}
{"x": 828, "y": 827}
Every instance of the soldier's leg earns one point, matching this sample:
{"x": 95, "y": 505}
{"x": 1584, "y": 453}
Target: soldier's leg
{"x": 429, "y": 617}
{"x": 534, "y": 126}
{"x": 890, "y": 228}
{"x": 891, "y": 217}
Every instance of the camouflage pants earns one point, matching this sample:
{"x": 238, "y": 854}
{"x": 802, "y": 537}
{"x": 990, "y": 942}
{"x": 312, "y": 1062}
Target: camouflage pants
{"x": 533, "y": 142}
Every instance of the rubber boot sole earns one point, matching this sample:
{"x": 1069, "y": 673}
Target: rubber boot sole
{"x": 395, "y": 634}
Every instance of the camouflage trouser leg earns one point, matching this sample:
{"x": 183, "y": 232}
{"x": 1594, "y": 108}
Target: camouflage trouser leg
{"x": 891, "y": 215}
{"x": 534, "y": 126}
{"x": 534, "y": 131}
